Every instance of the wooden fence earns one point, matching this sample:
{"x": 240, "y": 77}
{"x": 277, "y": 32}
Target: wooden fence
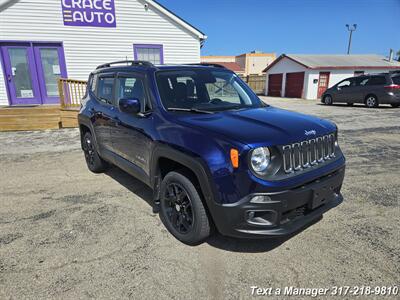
{"x": 256, "y": 82}
{"x": 71, "y": 92}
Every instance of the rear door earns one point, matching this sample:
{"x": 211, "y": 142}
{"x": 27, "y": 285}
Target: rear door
{"x": 103, "y": 111}
{"x": 376, "y": 86}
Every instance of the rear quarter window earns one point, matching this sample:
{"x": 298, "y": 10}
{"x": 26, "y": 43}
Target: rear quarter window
{"x": 377, "y": 80}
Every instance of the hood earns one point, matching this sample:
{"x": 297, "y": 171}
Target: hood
{"x": 261, "y": 126}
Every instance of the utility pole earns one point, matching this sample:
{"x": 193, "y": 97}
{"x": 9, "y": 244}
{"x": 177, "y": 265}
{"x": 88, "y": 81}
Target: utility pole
{"x": 350, "y": 28}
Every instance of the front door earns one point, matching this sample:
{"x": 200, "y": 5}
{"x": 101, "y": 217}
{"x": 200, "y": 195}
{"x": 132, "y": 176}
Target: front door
{"x": 20, "y": 75}
{"x": 323, "y": 83}
{"x": 130, "y": 140}
{"x": 50, "y": 67}
{"x": 32, "y": 71}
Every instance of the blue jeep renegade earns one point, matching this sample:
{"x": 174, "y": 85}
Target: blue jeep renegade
{"x": 214, "y": 154}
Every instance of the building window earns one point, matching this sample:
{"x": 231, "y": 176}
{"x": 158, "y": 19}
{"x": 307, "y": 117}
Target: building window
{"x": 151, "y": 53}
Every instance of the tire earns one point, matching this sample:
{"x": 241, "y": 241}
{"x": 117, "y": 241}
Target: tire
{"x": 395, "y": 105}
{"x": 94, "y": 162}
{"x": 328, "y": 100}
{"x": 182, "y": 211}
{"x": 371, "y": 101}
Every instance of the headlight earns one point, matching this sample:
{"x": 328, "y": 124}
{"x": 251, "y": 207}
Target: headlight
{"x": 260, "y": 159}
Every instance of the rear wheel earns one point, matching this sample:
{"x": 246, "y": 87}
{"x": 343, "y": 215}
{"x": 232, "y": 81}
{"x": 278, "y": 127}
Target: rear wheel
{"x": 182, "y": 211}
{"x": 94, "y": 162}
{"x": 371, "y": 101}
{"x": 328, "y": 100}
{"x": 395, "y": 105}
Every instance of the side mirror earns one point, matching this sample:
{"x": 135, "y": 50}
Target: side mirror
{"x": 131, "y": 106}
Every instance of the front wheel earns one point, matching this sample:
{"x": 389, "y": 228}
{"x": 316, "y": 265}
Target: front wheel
{"x": 182, "y": 211}
{"x": 395, "y": 105}
{"x": 371, "y": 101}
{"x": 328, "y": 100}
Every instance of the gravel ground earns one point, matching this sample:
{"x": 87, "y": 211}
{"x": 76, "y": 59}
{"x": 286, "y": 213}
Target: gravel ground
{"x": 67, "y": 233}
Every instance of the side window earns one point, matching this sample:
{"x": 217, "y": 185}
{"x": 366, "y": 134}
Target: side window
{"x": 133, "y": 88}
{"x": 345, "y": 83}
{"x": 363, "y": 81}
{"x": 222, "y": 89}
{"x": 105, "y": 89}
{"x": 376, "y": 80}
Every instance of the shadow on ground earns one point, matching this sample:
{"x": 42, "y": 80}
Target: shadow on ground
{"x": 216, "y": 240}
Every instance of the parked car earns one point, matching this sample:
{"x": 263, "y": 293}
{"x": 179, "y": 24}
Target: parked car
{"x": 372, "y": 90}
{"x": 216, "y": 156}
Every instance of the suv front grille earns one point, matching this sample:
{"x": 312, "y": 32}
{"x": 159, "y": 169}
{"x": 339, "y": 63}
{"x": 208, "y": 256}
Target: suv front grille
{"x": 305, "y": 154}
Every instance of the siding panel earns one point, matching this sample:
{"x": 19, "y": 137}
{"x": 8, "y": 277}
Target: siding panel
{"x": 87, "y": 47}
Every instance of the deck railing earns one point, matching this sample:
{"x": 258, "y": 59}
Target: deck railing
{"x": 71, "y": 92}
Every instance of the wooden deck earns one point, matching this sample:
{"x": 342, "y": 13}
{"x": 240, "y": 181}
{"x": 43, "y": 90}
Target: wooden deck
{"x": 15, "y": 118}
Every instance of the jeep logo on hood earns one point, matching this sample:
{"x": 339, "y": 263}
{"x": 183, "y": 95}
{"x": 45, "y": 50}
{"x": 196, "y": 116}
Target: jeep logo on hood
{"x": 310, "y": 132}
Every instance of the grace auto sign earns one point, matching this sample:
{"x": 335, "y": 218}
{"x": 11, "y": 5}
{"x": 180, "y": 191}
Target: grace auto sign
{"x": 95, "y": 13}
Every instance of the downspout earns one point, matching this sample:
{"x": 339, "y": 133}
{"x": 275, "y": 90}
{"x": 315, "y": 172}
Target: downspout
{"x": 4, "y": 4}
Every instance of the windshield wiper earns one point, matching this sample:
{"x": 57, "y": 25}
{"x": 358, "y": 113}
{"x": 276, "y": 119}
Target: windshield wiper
{"x": 193, "y": 110}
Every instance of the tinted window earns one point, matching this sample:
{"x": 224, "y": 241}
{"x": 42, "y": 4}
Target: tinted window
{"x": 132, "y": 88}
{"x": 376, "y": 80}
{"x": 362, "y": 81}
{"x": 396, "y": 79}
{"x": 104, "y": 91}
{"x": 345, "y": 83}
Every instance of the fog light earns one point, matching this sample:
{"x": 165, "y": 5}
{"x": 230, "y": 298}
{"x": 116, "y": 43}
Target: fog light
{"x": 260, "y": 199}
{"x": 267, "y": 217}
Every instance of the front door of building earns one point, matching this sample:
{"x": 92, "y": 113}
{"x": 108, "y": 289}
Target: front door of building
{"x": 323, "y": 83}
{"x": 20, "y": 74}
{"x": 31, "y": 72}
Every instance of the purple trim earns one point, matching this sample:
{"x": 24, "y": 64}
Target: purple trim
{"x": 36, "y": 70}
{"x": 147, "y": 46}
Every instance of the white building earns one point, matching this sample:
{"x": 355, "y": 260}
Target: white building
{"x": 41, "y": 40}
{"x": 308, "y": 76}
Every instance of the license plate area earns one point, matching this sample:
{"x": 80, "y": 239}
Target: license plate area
{"x": 321, "y": 195}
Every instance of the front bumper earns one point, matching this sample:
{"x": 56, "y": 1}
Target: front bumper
{"x": 282, "y": 213}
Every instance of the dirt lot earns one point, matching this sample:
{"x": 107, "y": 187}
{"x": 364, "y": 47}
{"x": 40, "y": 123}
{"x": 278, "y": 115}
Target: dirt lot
{"x": 67, "y": 233}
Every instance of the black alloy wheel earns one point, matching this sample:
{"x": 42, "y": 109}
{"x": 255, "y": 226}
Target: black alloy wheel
{"x": 94, "y": 162}
{"x": 179, "y": 208}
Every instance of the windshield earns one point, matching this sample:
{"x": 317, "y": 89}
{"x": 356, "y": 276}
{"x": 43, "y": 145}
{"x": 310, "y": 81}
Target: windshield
{"x": 205, "y": 90}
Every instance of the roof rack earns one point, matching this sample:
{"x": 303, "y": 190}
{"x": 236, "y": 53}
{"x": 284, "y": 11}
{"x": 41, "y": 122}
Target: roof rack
{"x": 127, "y": 62}
{"x": 209, "y": 65}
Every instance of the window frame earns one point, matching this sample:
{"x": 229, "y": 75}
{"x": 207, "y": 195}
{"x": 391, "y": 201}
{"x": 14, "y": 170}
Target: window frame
{"x": 147, "y": 97}
{"x": 149, "y": 46}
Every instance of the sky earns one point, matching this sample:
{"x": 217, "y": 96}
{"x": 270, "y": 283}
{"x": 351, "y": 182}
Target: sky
{"x": 293, "y": 26}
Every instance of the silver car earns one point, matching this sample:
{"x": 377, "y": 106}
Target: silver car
{"x": 372, "y": 90}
